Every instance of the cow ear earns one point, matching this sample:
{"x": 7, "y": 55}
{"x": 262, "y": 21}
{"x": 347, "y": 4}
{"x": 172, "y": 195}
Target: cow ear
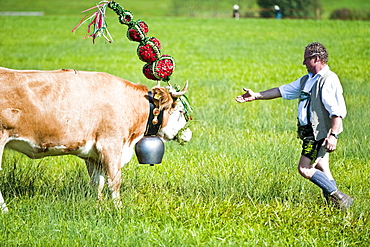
{"x": 162, "y": 99}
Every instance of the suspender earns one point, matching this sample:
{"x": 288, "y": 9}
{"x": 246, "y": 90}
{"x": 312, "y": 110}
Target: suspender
{"x": 305, "y": 96}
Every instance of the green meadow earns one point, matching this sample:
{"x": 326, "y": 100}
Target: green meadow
{"x": 236, "y": 182}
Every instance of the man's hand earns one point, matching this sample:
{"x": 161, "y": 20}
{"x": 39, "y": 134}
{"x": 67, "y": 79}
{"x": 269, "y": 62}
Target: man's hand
{"x": 248, "y": 96}
{"x": 331, "y": 143}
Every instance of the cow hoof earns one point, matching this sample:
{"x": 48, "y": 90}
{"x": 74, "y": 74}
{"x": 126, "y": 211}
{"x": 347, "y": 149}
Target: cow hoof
{"x": 118, "y": 204}
{"x": 4, "y": 208}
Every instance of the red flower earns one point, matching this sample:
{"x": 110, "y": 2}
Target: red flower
{"x": 149, "y": 50}
{"x": 126, "y": 17}
{"x": 164, "y": 67}
{"x": 161, "y": 69}
{"x": 147, "y": 54}
{"x": 147, "y": 70}
{"x": 143, "y": 26}
{"x": 133, "y": 35}
{"x": 137, "y": 31}
{"x": 156, "y": 42}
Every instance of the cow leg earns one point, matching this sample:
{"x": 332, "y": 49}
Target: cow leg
{"x": 111, "y": 163}
{"x": 3, "y": 206}
{"x": 97, "y": 176}
{"x": 114, "y": 184}
{"x": 3, "y": 139}
{"x": 113, "y": 157}
{"x": 114, "y": 164}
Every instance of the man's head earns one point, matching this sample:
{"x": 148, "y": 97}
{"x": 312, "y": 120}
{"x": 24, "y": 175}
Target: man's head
{"x": 315, "y": 57}
{"x": 318, "y": 49}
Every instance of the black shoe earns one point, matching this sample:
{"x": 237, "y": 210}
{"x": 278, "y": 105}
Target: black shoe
{"x": 341, "y": 200}
{"x": 327, "y": 198}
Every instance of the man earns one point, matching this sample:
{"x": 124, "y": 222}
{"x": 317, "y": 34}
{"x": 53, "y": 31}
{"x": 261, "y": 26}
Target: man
{"x": 321, "y": 109}
{"x": 236, "y": 13}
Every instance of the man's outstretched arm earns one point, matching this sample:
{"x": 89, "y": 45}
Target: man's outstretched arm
{"x": 265, "y": 95}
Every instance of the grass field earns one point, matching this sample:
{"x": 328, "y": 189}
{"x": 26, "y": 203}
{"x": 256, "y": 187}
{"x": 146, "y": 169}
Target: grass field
{"x": 165, "y": 7}
{"x": 236, "y": 182}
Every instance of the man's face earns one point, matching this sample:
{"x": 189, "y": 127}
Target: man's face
{"x": 309, "y": 61}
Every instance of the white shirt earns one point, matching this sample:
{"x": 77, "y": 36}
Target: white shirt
{"x": 332, "y": 95}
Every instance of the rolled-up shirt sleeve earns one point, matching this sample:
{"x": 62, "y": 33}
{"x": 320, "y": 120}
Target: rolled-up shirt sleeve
{"x": 291, "y": 91}
{"x": 332, "y": 98}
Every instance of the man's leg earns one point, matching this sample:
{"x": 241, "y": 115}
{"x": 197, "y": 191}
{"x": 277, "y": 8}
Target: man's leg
{"x": 322, "y": 164}
{"x": 308, "y": 170}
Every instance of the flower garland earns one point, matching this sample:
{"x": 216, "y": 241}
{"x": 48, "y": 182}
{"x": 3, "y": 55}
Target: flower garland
{"x": 158, "y": 67}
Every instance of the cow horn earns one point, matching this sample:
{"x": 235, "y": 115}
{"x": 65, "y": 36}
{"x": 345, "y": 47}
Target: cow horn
{"x": 176, "y": 94}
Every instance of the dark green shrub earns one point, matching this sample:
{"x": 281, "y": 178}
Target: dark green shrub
{"x": 350, "y": 14}
{"x": 343, "y": 14}
{"x": 289, "y": 8}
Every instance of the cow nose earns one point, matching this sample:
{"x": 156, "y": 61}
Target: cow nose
{"x": 186, "y": 135}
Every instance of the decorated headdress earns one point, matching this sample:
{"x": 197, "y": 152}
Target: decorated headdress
{"x": 158, "y": 67}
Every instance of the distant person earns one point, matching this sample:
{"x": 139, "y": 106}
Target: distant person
{"x": 278, "y": 14}
{"x": 321, "y": 109}
{"x": 236, "y": 14}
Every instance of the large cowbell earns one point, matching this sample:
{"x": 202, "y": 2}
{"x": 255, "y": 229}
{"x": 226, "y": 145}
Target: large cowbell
{"x": 150, "y": 150}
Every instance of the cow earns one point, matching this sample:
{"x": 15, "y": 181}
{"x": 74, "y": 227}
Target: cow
{"x": 93, "y": 115}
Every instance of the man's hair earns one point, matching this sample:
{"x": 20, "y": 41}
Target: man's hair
{"x": 318, "y": 49}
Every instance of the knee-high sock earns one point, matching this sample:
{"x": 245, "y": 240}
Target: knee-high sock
{"x": 321, "y": 180}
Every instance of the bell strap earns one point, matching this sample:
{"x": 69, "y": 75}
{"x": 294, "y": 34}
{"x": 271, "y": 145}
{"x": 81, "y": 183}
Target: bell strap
{"x": 155, "y": 118}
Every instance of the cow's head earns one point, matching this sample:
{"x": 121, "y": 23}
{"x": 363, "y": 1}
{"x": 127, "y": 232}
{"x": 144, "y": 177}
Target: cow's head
{"x": 176, "y": 113}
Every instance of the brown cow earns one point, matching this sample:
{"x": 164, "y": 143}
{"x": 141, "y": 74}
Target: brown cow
{"x": 95, "y": 116}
